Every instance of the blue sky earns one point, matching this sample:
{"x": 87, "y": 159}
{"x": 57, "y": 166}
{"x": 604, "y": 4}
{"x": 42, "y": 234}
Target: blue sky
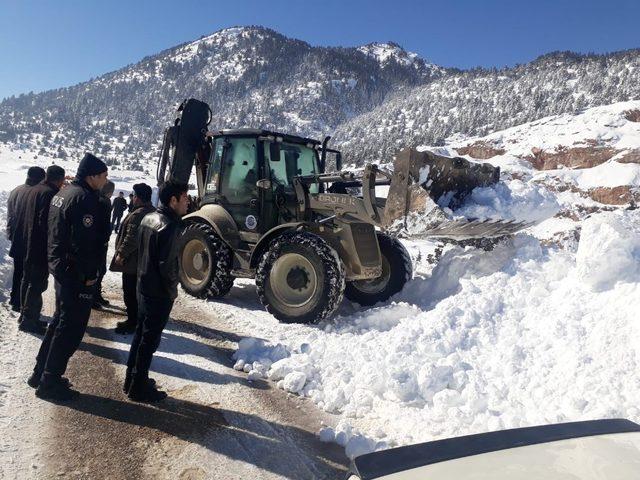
{"x": 48, "y": 44}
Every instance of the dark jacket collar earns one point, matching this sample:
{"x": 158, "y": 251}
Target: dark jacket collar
{"x": 168, "y": 211}
{"x": 82, "y": 183}
{"x": 50, "y": 185}
{"x": 144, "y": 206}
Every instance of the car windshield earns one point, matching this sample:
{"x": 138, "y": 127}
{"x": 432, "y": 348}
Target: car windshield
{"x": 294, "y": 160}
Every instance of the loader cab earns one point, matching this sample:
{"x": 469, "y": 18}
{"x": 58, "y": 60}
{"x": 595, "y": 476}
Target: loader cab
{"x": 251, "y": 175}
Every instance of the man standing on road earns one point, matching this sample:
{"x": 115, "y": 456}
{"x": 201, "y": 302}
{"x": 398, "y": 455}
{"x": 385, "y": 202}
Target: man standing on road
{"x": 73, "y": 262}
{"x": 36, "y": 272}
{"x": 131, "y": 206}
{"x": 157, "y": 287}
{"x": 15, "y": 230}
{"x": 104, "y": 234}
{"x": 119, "y": 207}
{"x": 126, "y": 257}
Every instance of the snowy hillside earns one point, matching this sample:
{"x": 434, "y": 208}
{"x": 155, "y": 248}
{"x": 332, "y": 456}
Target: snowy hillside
{"x": 478, "y": 101}
{"x": 372, "y": 99}
{"x": 541, "y": 329}
{"x": 250, "y": 76}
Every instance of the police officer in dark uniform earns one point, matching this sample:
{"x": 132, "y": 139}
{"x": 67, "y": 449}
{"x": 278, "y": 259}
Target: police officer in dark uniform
{"x": 15, "y": 230}
{"x": 126, "y": 257}
{"x": 73, "y": 262}
{"x": 36, "y": 272}
{"x": 157, "y": 287}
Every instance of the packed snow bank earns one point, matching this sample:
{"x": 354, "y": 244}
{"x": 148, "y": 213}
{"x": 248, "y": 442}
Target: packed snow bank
{"x": 516, "y": 201}
{"x": 489, "y": 340}
{"x": 609, "y": 251}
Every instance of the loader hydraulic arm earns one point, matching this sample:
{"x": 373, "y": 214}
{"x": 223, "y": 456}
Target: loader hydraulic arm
{"x": 183, "y": 141}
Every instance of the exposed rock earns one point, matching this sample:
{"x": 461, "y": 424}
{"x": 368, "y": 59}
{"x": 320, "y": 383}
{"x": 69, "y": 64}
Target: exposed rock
{"x": 620, "y": 195}
{"x": 632, "y": 115}
{"x": 632, "y": 156}
{"x": 418, "y": 198}
{"x": 480, "y": 150}
{"x": 580, "y": 212}
{"x": 574, "y": 157}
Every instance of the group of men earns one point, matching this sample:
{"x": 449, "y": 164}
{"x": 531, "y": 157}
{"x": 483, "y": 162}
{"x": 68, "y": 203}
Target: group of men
{"x": 64, "y": 230}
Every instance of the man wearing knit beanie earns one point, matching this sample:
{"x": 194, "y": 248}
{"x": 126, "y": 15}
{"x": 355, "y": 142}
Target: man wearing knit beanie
{"x": 73, "y": 262}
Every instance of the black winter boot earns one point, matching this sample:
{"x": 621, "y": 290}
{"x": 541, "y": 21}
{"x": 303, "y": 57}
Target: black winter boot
{"x": 34, "y": 380}
{"x": 127, "y": 381}
{"x": 143, "y": 391}
{"x": 56, "y": 390}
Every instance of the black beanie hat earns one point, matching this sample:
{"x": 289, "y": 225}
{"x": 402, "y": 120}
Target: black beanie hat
{"x": 142, "y": 191}
{"x": 35, "y": 174}
{"x": 90, "y": 165}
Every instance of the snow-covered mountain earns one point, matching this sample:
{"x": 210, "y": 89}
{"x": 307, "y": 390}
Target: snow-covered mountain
{"x": 250, "y": 76}
{"x": 480, "y": 101}
{"x": 373, "y": 98}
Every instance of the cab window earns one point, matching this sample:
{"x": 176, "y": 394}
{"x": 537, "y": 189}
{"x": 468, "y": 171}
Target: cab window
{"x": 213, "y": 173}
{"x": 239, "y": 171}
{"x": 294, "y": 160}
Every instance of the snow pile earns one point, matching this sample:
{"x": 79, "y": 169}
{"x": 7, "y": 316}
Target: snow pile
{"x": 541, "y": 329}
{"x": 609, "y": 251}
{"x": 516, "y": 201}
{"x": 491, "y": 340}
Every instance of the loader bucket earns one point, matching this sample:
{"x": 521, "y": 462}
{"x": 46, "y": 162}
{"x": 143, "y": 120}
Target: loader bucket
{"x": 446, "y": 180}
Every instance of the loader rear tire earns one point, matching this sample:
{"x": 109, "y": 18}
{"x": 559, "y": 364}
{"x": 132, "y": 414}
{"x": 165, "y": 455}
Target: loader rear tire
{"x": 300, "y": 279}
{"x": 205, "y": 262}
{"x": 396, "y": 271}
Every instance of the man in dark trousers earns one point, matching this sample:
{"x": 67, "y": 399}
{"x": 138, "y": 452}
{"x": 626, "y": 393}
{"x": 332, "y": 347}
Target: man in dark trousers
{"x": 130, "y": 207}
{"x": 73, "y": 262}
{"x": 119, "y": 207}
{"x": 15, "y": 230}
{"x": 104, "y": 234}
{"x": 157, "y": 287}
{"x": 126, "y": 257}
{"x": 36, "y": 272}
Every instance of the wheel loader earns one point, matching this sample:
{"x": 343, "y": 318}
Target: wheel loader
{"x": 267, "y": 208}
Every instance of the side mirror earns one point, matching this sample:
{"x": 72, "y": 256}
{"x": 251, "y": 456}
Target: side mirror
{"x": 274, "y": 151}
{"x": 265, "y": 184}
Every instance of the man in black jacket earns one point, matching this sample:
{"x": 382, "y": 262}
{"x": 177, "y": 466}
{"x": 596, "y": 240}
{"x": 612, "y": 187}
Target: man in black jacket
{"x": 119, "y": 207}
{"x": 73, "y": 262}
{"x": 15, "y": 229}
{"x": 104, "y": 234}
{"x": 126, "y": 257}
{"x": 36, "y": 272}
{"x": 157, "y": 287}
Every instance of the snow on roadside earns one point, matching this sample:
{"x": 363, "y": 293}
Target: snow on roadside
{"x": 493, "y": 340}
{"x": 532, "y": 332}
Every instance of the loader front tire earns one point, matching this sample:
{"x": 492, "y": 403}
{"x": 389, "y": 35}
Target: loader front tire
{"x": 396, "y": 271}
{"x": 300, "y": 279}
{"x": 205, "y": 262}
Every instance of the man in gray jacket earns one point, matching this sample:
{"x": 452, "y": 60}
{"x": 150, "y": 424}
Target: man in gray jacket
{"x": 126, "y": 256}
